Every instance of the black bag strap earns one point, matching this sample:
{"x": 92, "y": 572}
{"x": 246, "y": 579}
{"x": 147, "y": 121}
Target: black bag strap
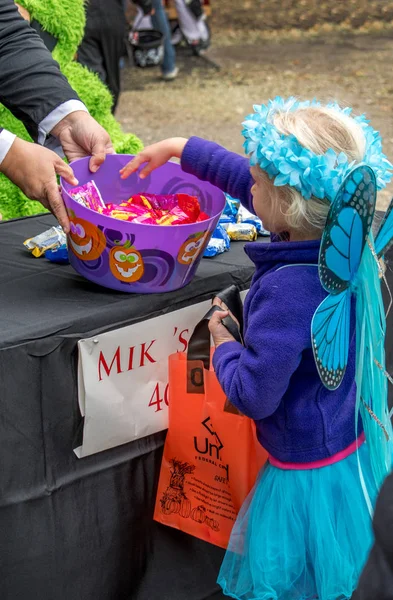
{"x": 199, "y": 350}
{"x": 199, "y": 344}
{"x": 231, "y": 297}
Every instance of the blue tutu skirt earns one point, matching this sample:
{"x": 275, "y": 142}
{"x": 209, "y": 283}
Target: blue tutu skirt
{"x": 301, "y": 535}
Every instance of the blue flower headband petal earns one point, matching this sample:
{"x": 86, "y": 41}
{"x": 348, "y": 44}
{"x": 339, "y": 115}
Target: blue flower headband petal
{"x": 288, "y": 163}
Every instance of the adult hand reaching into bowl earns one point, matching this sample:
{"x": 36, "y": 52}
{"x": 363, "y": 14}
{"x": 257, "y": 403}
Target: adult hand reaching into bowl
{"x": 155, "y": 156}
{"x": 80, "y": 135}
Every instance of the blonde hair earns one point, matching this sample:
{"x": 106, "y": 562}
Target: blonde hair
{"x": 317, "y": 129}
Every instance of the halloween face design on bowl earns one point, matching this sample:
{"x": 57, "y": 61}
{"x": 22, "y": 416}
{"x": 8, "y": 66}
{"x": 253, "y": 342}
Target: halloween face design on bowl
{"x": 191, "y": 248}
{"x": 126, "y": 263}
{"x": 86, "y": 241}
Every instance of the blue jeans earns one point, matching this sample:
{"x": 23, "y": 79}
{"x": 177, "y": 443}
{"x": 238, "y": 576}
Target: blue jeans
{"x": 161, "y": 23}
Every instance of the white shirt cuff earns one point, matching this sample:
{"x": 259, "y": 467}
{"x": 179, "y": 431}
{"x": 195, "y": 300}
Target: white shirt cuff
{"x": 51, "y": 120}
{"x": 6, "y": 140}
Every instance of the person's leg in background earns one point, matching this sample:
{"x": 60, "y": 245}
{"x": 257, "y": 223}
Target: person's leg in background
{"x": 160, "y": 22}
{"x": 103, "y": 43}
{"x": 90, "y": 54}
{"x": 113, "y": 50}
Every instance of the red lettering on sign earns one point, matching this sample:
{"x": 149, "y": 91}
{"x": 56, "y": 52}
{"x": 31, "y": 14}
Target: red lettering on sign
{"x": 156, "y": 399}
{"x": 131, "y": 359}
{"x": 102, "y": 363}
{"x": 183, "y": 340}
{"x": 145, "y": 353}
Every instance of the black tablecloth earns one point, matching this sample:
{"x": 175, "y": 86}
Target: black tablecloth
{"x": 83, "y": 529}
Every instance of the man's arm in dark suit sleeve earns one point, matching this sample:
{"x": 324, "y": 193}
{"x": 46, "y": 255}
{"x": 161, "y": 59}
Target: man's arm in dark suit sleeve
{"x": 31, "y": 84}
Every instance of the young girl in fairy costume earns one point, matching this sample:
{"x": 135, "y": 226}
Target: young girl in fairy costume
{"x": 311, "y": 371}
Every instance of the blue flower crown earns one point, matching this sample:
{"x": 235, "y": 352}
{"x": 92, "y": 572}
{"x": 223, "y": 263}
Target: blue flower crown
{"x": 289, "y": 163}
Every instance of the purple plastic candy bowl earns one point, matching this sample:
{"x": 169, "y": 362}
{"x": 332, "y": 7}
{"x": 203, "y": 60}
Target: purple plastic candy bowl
{"x": 132, "y": 257}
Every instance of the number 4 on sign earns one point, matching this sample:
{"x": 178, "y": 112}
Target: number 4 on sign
{"x": 156, "y": 399}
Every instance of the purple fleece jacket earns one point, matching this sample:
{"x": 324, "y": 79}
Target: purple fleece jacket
{"x": 273, "y": 378}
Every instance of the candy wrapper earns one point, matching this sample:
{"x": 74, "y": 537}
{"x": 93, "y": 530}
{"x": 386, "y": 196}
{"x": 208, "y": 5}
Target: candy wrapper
{"x": 88, "y": 195}
{"x": 52, "y": 238}
{"x": 58, "y": 255}
{"x": 153, "y": 201}
{"x": 124, "y": 211}
{"x": 176, "y": 216}
{"x": 214, "y": 247}
{"x": 245, "y": 216}
{"x": 146, "y": 208}
{"x": 231, "y": 206}
{"x": 218, "y": 243}
{"x": 226, "y": 220}
{"x": 242, "y": 232}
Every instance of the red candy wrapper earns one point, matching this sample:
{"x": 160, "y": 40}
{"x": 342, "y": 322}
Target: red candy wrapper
{"x": 189, "y": 205}
{"x": 88, "y": 195}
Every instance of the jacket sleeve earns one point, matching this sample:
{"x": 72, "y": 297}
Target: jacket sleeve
{"x": 256, "y": 376}
{"x": 228, "y": 171}
{"x": 31, "y": 84}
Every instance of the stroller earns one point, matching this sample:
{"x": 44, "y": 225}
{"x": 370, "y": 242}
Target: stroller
{"x": 188, "y": 19}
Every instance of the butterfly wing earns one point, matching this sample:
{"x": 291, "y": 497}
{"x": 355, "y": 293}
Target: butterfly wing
{"x": 330, "y": 329}
{"x": 384, "y": 238}
{"x": 347, "y": 228}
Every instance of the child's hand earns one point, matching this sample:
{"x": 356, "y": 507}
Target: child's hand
{"x": 155, "y": 156}
{"x": 219, "y": 332}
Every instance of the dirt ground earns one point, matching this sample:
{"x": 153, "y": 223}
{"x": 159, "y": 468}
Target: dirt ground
{"x": 244, "y": 65}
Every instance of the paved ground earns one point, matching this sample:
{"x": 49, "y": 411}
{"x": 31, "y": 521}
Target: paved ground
{"x": 213, "y": 94}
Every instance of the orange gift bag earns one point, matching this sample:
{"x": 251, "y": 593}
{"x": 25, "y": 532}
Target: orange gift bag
{"x": 211, "y": 455}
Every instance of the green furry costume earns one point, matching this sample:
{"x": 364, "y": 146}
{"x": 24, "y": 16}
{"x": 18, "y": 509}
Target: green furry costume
{"x": 64, "y": 19}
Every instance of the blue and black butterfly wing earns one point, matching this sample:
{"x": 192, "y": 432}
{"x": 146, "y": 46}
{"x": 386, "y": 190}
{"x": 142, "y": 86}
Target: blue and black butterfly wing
{"x": 384, "y": 238}
{"x": 347, "y": 228}
{"x": 330, "y": 337}
{"x": 345, "y": 235}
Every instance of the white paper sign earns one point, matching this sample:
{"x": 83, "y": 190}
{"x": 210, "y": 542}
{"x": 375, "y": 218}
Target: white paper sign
{"x": 123, "y": 378}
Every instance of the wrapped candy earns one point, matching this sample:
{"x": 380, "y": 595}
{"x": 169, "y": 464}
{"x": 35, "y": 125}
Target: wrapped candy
{"x": 124, "y": 212}
{"x": 242, "y": 231}
{"x": 226, "y": 220}
{"x": 218, "y": 243}
{"x": 51, "y": 238}
{"x": 189, "y": 205}
{"x": 146, "y": 208}
{"x": 245, "y": 216}
{"x": 214, "y": 247}
{"x": 202, "y": 217}
{"x": 154, "y": 201}
{"x": 88, "y": 195}
{"x": 175, "y": 217}
{"x": 231, "y": 206}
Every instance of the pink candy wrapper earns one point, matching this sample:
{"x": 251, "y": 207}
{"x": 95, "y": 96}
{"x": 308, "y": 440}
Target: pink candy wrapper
{"x": 88, "y": 195}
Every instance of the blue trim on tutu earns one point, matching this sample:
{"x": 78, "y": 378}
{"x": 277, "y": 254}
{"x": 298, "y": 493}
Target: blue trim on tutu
{"x": 301, "y": 535}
